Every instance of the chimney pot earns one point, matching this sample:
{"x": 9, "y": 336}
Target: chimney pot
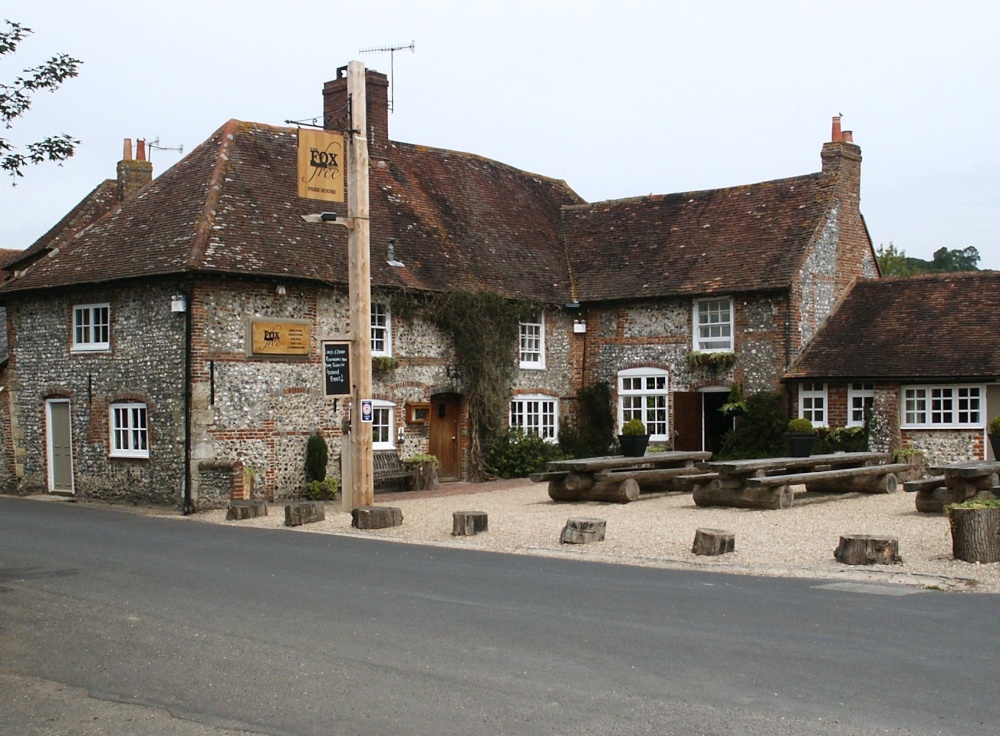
{"x": 836, "y": 135}
{"x": 848, "y": 136}
{"x": 140, "y": 150}
{"x": 127, "y": 150}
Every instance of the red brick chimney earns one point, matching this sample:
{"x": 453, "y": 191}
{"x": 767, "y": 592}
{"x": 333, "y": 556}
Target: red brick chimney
{"x": 133, "y": 173}
{"x": 335, "y": 115}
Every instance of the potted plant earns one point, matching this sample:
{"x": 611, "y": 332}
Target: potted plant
{"x": 800, "y": 437}
{"x": 734, "y": 406}
{"x": 425, "y": 471}
{"x": 633, "y": 439}
{"x": 993, "y": 430}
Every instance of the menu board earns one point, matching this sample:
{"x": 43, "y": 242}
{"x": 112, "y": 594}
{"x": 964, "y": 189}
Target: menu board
{"x": 336, "y": 369}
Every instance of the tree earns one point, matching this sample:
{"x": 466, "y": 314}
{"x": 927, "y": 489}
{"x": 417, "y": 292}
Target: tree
{"x": 966, "y": 259}
{"x": 15, "y": 100}
{"x": 893, "y": 261}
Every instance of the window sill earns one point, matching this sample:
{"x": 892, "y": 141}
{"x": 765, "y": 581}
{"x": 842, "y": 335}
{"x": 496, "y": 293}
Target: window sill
{"x": 129, "y": 456}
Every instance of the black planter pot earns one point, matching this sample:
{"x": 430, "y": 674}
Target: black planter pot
{"x": 800, "y": 444}
{"x": 995, "y": 444}
{"x": 633, "y": 445}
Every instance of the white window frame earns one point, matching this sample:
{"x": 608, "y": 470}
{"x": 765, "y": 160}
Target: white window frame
{"x": 943, "y": 406}
{"x": 98, "y": 319}
{"x": 860, "y": 399}
{"x": 713, "y": 315}
{"x": 536, "y": 414}
{"x": 814, "y": 403}
{"x": 644, "y": 394}
{"x": 383, "y": 425}
{"x": 531, "y": 344}
{"x": 131, "y": 438}
{"x": 381, "y": 324}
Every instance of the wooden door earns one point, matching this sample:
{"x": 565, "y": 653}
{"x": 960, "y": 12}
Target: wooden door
{"x": 60, "y": 446}
{"x": 445, "y": 437}
{"x": 687, "y": 421}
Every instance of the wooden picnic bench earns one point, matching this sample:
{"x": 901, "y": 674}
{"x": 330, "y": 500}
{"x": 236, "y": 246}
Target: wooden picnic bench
{"x": 621, "y": 479}
{"x": 955, "y": 483}
{"x": 766, "y": 483}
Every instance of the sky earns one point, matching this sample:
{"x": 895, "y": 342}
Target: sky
{"x": 619, "y": 99}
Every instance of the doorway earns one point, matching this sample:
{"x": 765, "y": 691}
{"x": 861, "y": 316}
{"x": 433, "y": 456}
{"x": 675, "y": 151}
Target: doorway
{"x": 445, "y": 438}
{"x": 59, "y": 444}
{"x": 698, "y": 423}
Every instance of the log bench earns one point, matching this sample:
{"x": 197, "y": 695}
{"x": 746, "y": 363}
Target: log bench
{"x": 766, "y": 483}
{"x": 955, "y": 483}
{"x": 619, "y": 479}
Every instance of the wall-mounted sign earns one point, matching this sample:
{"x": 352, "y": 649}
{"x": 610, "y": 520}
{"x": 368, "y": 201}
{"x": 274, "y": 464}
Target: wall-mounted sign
{"x": 321, "y": 165}
{"x": 367, "y": 410}
{"x": 288, "y": 337}
{"x": 336, "y": 369}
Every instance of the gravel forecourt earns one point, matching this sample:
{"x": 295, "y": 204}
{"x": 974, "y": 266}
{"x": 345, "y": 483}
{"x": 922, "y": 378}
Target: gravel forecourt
{"x": 658, "y": 531}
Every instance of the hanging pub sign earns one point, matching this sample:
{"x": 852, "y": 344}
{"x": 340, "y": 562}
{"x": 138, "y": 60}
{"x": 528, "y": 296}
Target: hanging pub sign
{"x": 336, "y": 368}
{"x": 321, "y": 165}
{"x": 288, "y": 337}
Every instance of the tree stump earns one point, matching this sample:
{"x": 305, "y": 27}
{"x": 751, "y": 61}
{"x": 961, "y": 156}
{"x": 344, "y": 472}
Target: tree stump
{"x": 242, "y": 509}
{"x": 975, "y": 534}
{"x": 583, "y": 531}
{"x": 863, "y": 549}
{"x": 713, "y": 542}
{"x": 468, "y": 523}
{"x": 298, "y": 513}
{"x": 376, "y": 517}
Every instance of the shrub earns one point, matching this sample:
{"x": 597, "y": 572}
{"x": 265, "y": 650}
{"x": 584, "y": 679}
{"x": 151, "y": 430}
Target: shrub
{"x": 517, "y": 455}
{"x": 317, "y": 456}
{"x": 322, "y": 490}
{"x": 841, "y": 439}
{"x": 633, "y": 427}
{"x": 758, "y": 432}
{"x": 595, "y": 433}
{"x": 800, "y": 425}
{"x": 419, "y": 459}
{"x": 994, "y": 426}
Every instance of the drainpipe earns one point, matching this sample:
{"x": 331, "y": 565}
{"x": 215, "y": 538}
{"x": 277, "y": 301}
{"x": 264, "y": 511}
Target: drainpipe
{"x": 788, "y": 346}
{"x": 188, "y": 507}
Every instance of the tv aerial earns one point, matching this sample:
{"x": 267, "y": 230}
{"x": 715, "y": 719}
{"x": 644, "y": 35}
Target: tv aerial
{"x": 392, "y": 61}
{"x": 156, "y": 144}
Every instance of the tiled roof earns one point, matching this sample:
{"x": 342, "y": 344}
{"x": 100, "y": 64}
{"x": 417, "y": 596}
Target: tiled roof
{"x": 721, "y": 240}
{"x": 940, "y": 326}
{"x": 231, "y": 207}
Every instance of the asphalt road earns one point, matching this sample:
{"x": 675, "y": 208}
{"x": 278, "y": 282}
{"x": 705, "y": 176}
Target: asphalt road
{"x": 117, "y": 623}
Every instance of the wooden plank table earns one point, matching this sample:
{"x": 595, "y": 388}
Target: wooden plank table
{"x": 765, "y": 483}
{"x": 621, "y": 479}
{"x": 955, "y": 483}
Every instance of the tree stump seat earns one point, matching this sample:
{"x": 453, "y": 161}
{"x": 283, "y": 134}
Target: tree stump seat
{"x": 241, "y": 509}
{"x": 376, "y": 517}
{"x": 865, "y": 549}
{"x": 469, "y": 523}
{"x": 579, "y": 530}
{"x": 298, "y": 513}
{"x": 975, "y": 534}
{"x": 713, "y": 542}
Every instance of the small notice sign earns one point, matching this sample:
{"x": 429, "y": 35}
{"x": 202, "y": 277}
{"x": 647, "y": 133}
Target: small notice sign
{"x": 367, "y": 410}
{"x": 280, "y": 338}
{"x": 336, "y": 369}
{"x": 321, "y": 165}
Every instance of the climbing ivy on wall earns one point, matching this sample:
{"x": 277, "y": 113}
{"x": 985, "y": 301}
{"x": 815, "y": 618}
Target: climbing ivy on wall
{"x": 483, "y": 328}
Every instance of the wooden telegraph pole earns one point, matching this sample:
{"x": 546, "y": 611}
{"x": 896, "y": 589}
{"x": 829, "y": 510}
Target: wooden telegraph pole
{"x": 361, "y": 491}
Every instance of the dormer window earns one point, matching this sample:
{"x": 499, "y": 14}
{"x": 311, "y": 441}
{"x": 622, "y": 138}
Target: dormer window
{"x": 91, "y": 327}
{"x": 713, "y": 325}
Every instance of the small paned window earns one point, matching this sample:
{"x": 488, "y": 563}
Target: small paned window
{"x": 713, "y": 325}
{"x": 942, "y": 406}
{"x": 537, "y": 415}
{"x": 812, "y": 403}
{"x": 532, "y": 344}
{"x": 381, "y": 330}
{"x": 91, "y": 327}
{"x": 860, "y": 400}
{"x": 643, "y": 395}
{"x": 129, "y": 430}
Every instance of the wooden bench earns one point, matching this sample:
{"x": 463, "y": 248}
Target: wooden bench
{"x": 620, "y": 479}
{"x": 388, "y": 469}
{"x": 956, "y": 483}
{"x": 867, "y": 478}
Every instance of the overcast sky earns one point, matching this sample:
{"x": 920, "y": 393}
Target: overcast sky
{"x": 619, "y": 99}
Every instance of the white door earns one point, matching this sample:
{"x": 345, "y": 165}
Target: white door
{"x": 59, "y": 435}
